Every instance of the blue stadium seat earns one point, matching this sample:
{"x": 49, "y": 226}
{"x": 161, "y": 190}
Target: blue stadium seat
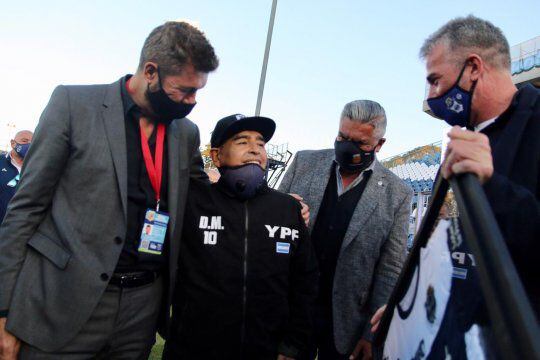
{"x": 528, "y": 63}
{"x": 516, "y": 67}
{"x": 419, "y": 174}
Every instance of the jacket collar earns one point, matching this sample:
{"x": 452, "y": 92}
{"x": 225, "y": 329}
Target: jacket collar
{"x": 7, "y": 161}
{"x": 221, "y": 187}
{"x": 112, "y": 114}
{"x": 323, "y": 166}
{"x": 369, "y": 201}
{"x": 519, "y": 113}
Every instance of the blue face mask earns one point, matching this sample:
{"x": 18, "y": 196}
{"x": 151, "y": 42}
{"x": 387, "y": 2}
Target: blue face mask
{"x": 21, "y": 149}
{"x": 454, "y": 106}
{"x": 243, "y": 181}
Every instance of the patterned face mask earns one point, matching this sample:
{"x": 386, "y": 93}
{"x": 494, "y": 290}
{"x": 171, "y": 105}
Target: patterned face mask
{"x": 454, "y": 106}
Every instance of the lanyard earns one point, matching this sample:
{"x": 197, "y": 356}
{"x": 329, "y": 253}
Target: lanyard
{"x": 154, "y": 168}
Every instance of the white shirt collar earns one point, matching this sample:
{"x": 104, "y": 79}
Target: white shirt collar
{"x": 484, "y": 124}
{"x": 355, "y": 182}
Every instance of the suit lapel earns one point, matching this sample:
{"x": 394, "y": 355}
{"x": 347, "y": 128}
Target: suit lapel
{"x": 506, "y": 149}
{"x": 115, "y": 129}
{"x": 318, "y": 183}
{"x": 179, "y": 163}
{"x": 368, "y": 202}
{"x": 174, "y": 166}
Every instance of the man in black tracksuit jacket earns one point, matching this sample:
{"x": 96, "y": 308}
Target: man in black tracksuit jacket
{"x": 247, "y": 272}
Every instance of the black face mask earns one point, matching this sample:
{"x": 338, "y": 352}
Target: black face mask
{"x": 244, "y": 181}
{"x": 351, "y": 158}
{"x": 164, "y": 107}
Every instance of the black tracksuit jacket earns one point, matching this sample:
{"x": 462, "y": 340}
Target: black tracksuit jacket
{"x": 247, "y": 277}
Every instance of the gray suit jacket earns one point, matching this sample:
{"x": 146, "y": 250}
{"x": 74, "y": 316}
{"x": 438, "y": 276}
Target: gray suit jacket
{"x": 374, "y": 246}
{"x": 59, "y": 239}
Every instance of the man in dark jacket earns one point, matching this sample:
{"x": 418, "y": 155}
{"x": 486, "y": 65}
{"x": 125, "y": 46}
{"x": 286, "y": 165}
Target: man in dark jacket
{"x": 470, "y": 85}
{"x": 247, "y": 273}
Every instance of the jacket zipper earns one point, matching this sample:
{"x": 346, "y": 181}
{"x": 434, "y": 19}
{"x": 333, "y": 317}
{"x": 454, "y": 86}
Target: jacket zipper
{"x": 244, "y": 294}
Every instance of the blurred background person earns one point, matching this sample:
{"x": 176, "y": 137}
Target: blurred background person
{"x": 10, "y": 168}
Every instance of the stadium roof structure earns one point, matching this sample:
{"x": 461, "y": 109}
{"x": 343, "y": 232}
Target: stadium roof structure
{"x": 525, "y": 65}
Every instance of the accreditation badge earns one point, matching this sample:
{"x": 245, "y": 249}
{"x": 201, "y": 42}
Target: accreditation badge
{"x": 153, "y": 232}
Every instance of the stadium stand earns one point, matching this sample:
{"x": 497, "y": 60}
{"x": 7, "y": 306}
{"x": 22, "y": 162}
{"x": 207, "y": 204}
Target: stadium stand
{"x": 417, "y": 168}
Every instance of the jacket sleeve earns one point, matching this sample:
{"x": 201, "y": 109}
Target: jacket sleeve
{"x": 286, "y": 183}
{"x": 517, "y": 211}
{"x": 196, "y": 170}
{"x": 303, "y": 284}
{"x": 393, "y": 254}
{"x": 42, "y": 169}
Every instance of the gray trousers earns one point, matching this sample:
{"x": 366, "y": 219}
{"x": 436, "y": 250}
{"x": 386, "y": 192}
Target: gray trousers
{"x": 123, "y": 326}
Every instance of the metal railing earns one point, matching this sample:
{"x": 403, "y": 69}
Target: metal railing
{"x": 278, "y": 159}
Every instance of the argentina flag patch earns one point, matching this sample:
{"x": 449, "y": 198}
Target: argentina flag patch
{"x": 282, "y": 248}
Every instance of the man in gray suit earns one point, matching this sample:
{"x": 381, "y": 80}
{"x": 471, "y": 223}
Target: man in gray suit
{"x": 359, "y": 217}
{"x": 79, "y": 277}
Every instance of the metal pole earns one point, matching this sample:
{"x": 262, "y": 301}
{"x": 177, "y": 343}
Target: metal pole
{"x": 512, "y": 320}
{"x": 514, "y": 325}
{"x": 265, "y": 60}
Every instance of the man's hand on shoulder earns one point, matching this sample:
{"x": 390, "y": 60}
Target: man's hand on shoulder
{"x": 468, "y": 151}
{"x": 305, "y": 208}
{"x": 9, "y": 344}
{"x": 376, "y": 319}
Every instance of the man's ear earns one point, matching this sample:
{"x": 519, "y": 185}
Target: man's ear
{"x": 214, "y": 154}
{"x": 150, "y": 71}
{"x": 13, "y": 144}
{"x": 380, "y": 144}
{"x": 477, "y": 66}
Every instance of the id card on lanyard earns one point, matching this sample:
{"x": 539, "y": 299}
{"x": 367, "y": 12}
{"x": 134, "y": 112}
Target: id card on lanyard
{"x": 155, "y": 222}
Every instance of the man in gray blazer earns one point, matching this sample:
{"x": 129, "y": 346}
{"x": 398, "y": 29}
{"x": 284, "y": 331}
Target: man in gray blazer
{"x": 79, "y": 277}
{"x": 359, "y": 217}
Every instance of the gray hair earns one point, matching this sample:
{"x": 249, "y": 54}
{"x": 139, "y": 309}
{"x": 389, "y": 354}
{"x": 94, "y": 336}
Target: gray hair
{"x": 468, "y": 34}
{"x": 366, "y": 112}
